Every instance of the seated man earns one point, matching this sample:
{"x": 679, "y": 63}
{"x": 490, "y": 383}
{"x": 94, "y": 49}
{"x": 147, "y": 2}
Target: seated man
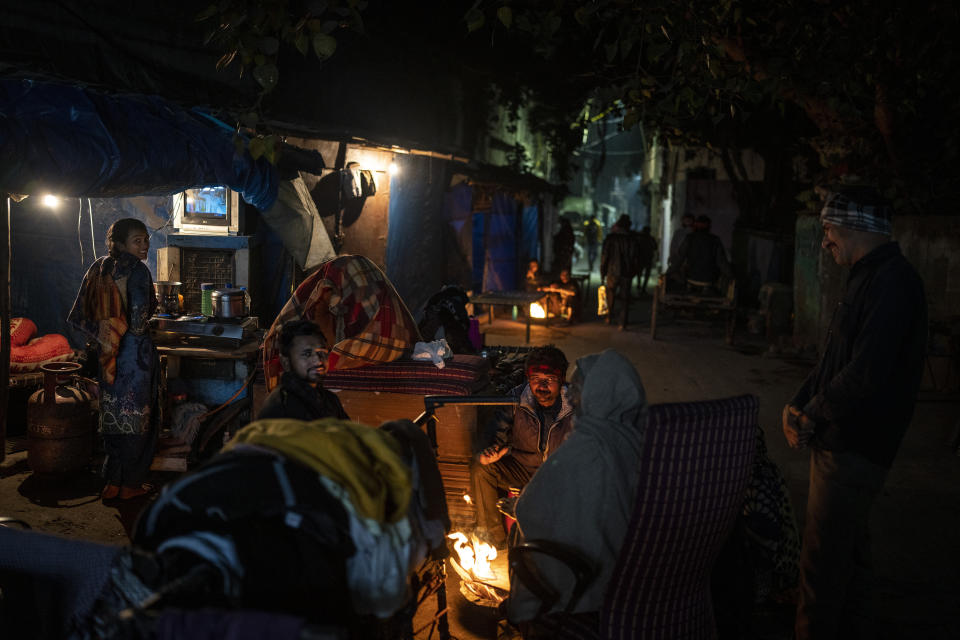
{"x": 564, "y": 298}
{"x": 525, "y": 435}
{"x": 534, "y": 277}
{"x": 300, "y": 395}
{"x": 584, "y": 497}
{"x": 701, "y": 260}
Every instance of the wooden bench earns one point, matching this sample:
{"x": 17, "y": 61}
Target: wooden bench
{"x": 724, "y": 304}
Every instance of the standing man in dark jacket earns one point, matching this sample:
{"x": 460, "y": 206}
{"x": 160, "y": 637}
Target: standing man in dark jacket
{"x": 303, "y": 354}
{"x": 524, "y": 437}
{"x": 619, "y": 262}
{"x": 701, "y": 260}
{"x": 853, "y": 410}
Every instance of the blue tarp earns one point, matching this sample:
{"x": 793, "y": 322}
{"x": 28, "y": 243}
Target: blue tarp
{"x": 500, "y": 272}
{"x": 530, "y": 234}
{"x": 72, "y": 141}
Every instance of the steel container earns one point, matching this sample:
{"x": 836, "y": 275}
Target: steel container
{"x": 229, "y": 303}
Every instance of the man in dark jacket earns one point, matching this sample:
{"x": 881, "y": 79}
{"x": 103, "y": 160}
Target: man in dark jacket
{"x": 701, "y": 260}
{"x": 619, "y": 262}
{"x": 648, "y": 252}
{"x": 523, "y": 438}
{"x": 853, "y": 410}
{"x": 303, "y": 354}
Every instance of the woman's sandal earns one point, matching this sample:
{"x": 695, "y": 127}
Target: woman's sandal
{"x": 128, "y": 493}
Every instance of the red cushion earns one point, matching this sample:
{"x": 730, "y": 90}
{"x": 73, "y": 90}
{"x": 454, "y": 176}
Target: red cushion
{"x": 52, "y": 347}
{"x": 21, "y": 330}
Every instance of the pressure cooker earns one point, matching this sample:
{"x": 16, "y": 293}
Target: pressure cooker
{"x": 229, "y": 303}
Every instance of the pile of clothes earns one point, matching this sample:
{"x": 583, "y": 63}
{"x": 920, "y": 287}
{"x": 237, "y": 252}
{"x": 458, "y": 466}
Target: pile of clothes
{"x": 319, "y": 522}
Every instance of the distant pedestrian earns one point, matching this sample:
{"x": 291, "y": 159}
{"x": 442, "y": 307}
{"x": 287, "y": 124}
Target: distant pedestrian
{"x": 563, "y": 243}
{"x": 619, "y": 263}
{"x": 853, "y": 410}
{"x": 592, "y": 236}
{"x": 686, "y": 228}
{"x": 648, "y": 254}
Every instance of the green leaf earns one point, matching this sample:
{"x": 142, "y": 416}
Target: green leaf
{"x": 238, "y": 145}
{"x": 582, "y": 14}
{"x": 302, "y": 42}
{"x": 475, "y": 19}
{"x": 505, "y": 15}
{"x": 266, "y": 76}
{"x": 250, "y": 119}
{"x": 257, "y": 147}
{"x": 324, "y": 45}
{"x": 271, "y": 148}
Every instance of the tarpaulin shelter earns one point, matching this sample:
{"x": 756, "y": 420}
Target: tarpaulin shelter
{"x": 499, "y": 220}
{"x": 77, "y": 142}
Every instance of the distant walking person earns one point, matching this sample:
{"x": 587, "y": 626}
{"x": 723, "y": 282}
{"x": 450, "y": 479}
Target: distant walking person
{"x": 853, "y": 410}
{"x": 619, "y": 263}
{"x": 592, "y": 235}
{"x": 648, "y": 254}
{"x": 563, "y": 243}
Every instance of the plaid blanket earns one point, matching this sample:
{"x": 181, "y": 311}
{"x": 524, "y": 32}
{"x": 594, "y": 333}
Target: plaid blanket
{"x": 462, "y": 376}
{"x": 99, "y": 313}
{"x": 352, "y": 298}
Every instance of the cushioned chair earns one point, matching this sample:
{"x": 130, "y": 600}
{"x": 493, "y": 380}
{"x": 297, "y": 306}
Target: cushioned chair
{"x": 693, "y": 472}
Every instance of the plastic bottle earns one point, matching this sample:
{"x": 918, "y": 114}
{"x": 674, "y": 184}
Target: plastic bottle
{"x": 206, "y": 298}
{"x": 246, "y": 300}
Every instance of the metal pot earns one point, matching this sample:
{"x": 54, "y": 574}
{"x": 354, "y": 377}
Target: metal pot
{"x": 168, "y": 297}
{"x": 229, "y": 303}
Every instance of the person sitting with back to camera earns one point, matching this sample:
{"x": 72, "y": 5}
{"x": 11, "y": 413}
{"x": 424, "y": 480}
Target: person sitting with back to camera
{"x": 300, "y": 395}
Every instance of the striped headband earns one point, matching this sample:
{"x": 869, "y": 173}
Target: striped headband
{"x": 841, "y": 211}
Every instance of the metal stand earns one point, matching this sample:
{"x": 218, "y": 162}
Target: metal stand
{"x": 429, "y": 418}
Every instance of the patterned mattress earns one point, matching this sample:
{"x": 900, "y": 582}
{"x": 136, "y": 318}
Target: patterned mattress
{"x": 462, "y": 375}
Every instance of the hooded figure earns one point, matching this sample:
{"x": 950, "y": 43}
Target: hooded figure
{"x": 583, "y": 495}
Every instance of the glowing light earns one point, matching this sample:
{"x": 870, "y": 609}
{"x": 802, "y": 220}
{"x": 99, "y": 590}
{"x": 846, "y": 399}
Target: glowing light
{"x": 537, "y": 311}
{"x": 393, "y": 168}
{"x": 467, "y": 498}
{"x": 51, "y": 201}
{"x": 474, "y": 556}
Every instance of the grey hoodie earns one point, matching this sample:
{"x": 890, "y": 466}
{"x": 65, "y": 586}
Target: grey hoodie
{"x": 583, "y": 495}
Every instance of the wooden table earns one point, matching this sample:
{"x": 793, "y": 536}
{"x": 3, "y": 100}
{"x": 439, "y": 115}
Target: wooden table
{"x": 510, "y": 299}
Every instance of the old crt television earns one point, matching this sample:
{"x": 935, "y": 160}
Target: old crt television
{"x": 207, "y": 210}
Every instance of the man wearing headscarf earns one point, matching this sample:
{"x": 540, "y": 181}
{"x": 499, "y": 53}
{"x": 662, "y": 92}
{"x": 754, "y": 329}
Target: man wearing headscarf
{"x": 522, "y": 437}
{"x": 853, "y": 410}
{"x": 583, "y": 495}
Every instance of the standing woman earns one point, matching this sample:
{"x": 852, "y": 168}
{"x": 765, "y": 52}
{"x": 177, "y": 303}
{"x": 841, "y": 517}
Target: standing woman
{"x": 113, "y": 306}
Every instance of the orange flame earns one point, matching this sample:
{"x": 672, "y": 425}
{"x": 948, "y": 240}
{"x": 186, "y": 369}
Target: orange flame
{"x": 537, "y": 311}
{"x": 474, "y": 556}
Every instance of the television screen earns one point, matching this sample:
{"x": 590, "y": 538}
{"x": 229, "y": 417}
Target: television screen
{"x": 206, "y": 203}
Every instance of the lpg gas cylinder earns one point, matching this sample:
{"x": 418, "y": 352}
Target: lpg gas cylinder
{"x": 61, "y": 421}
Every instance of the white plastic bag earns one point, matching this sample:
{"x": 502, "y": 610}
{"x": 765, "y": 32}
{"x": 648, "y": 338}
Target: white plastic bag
{"x": 435, "y": 351}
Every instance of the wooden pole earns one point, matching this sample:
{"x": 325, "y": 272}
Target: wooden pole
{"x": 4, "y": 330}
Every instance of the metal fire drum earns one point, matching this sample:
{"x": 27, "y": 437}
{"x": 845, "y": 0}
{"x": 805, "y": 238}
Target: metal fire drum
{"x": 61, "y": 421}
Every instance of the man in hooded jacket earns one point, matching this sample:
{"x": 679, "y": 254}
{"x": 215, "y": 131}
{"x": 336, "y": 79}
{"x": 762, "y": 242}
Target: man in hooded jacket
{"x": 584, "y": 494}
